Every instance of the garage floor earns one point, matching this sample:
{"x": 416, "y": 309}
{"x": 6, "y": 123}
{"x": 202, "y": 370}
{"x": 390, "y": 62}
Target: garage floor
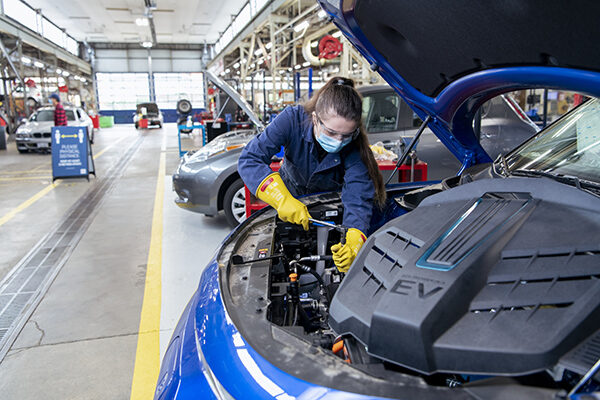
{"x": 97, "y": 273}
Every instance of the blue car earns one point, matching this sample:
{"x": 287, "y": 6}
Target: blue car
{"x": 482, "y": 286}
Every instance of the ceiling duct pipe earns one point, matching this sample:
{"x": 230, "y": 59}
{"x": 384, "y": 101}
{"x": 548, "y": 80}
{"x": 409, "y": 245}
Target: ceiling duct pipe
{"x": 307, "y": 50}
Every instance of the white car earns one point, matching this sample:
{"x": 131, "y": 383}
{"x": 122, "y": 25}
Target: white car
{"x": 35, "y": 134}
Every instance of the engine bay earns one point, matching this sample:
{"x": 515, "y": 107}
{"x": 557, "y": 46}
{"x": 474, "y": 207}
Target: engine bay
{"x": 301, "y": 285}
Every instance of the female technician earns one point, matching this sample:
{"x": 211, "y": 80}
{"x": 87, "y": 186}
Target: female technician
{"x": 326, "y": 149}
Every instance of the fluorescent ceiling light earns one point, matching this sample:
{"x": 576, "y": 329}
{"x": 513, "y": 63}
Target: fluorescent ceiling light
{"x": 65, "y": 73}
{"x": 236, "y": 65}
{"x": 252, "y": 65}
{"x": 244, "y": 61}
{"x": 38, "y": 64}
{"x": 337, "y": 34}
{"x": 258, "y": 52}
{"x": 297, "y": 67}
{"x": 227, "y": 71}
{"x": 141, "y": 21}
{"x": 269, "y": 45}
{"x": 147, "y": 44}
{"x": 322, "y": 14}
{"x": 314, "y": 44}
{"x": 58, "y": 71}
{"x": 306, "y": 64}
{"x": 77, "y": 77}
{"x": 301, "y": 26}
{"x": 26, "y": 60}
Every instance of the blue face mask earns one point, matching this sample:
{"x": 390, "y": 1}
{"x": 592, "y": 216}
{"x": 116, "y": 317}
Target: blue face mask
{"x": 330, "y": 144}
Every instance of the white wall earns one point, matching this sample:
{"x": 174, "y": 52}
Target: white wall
{"x": 137, "y": 60}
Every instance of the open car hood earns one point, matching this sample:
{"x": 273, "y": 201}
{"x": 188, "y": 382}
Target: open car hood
{"x": 447, "y": 58}
{"x": 235, "y": 96}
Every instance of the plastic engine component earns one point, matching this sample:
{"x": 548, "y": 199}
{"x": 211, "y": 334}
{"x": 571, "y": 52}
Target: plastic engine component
{"x": 479, "y": 281}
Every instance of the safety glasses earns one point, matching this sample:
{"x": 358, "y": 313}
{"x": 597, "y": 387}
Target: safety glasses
{"x": 338, "y": 135}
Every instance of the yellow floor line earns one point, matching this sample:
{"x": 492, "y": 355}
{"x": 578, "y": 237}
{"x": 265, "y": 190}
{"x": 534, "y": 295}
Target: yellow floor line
{"x": 8, "y": 216}
{"x": 108, "y": 147}
{"x": 24, "y": 178}
{"x": 147, "y": 356}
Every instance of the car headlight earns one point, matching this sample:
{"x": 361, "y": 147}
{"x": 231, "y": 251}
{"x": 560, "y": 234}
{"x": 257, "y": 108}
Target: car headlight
{"x": 212, "y": 150}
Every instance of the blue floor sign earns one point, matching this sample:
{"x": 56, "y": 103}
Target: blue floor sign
{"x": 71, "y": 153}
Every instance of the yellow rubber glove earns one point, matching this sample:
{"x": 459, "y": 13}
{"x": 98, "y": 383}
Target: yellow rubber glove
{"x": 272, "y": 191}
{"x": 344, "y": 255}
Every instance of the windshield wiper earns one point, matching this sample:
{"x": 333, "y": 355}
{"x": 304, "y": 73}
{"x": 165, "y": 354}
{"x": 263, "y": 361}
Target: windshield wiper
{"x": 586, "y": 186}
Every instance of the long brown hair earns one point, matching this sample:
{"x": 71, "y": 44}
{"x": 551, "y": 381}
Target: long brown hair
{"x": 338, "y": 97}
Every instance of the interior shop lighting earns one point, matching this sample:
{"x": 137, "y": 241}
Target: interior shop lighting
{"x": 65, "y": 73}
{"x": 141, "y": 21}
{"x": 306, "y": 64}
{"x": 314, "y": 44}
{"x": 297, "y": 66}
{"x": 38, "y": 64}
{"x": 337, "y": 34}
{"x": 236, "y": 65}
{"x": 322, "y": 14}
{"x": 58, "y": 71}
{"x": 269, "y": 45}
{"x": 26, "y": 60}
{"x": 258, "y": 52}
{"x": 147, "y": 44}
{"x": 227, "y": 71}
{"x": 301, "y": 26}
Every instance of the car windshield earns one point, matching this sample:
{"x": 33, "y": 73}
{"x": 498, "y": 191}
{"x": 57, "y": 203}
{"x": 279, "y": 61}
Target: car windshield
{"x": 569, "y": 147}
{"x": 48, "y": 115}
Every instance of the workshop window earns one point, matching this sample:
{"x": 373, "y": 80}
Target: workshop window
{"x": 380, "y": 112}
{"x": 122, "y": 91}
{"x": 172, "y": 87}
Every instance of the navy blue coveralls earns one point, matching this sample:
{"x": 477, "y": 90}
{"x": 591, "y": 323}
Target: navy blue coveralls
{"x": 301, "y": 170}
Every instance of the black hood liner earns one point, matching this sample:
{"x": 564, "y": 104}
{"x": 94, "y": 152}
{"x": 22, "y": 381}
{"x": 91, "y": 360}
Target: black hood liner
{"x": 432, "y": 43}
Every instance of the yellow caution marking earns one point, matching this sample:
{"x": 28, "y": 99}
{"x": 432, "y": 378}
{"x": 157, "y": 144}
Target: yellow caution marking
{"x": 96, "y": 156}
{"x": 147, "y": 356}
{"x": 10, "y": 215}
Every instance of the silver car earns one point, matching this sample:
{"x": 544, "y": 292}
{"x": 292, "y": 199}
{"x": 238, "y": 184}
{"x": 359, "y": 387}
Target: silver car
{"x": 35, "y": 134}
{"x": 207, "y": 180}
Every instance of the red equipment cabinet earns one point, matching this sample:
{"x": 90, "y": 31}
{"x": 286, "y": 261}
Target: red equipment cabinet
{"x": 404, "y": 175}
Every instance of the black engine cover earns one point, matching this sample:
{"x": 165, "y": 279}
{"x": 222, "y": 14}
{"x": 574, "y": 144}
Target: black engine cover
{"x": 499, "y": 276}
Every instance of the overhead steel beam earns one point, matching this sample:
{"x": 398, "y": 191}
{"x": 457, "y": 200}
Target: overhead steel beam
{"x": 258, "y": 21}
{"x": 33, "y": 39}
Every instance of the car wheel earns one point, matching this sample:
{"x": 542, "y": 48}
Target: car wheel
{"x": 136, "y": 126}
{"x": 23, "y": 151}
{"x": 32, "y": 103}
{"x": 159, "y": 126}
{"x": 234, "y": 203}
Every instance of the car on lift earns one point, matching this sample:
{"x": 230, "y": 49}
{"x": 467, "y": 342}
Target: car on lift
{"x": 482, "y": 286}
{"x": 151, "y": 112}
{"x": 207, "y": 180}
{"x": 35, "y": 133}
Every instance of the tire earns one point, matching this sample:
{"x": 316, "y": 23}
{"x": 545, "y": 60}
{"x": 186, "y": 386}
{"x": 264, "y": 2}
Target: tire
{"x": 159, "y": 126}
{"x": 184, "y": 106}
{"x": 233, "y": 203}
{"x": 23, "y": 151}
{"x": 32, "y": 103}
{"x": 137, "y": 126}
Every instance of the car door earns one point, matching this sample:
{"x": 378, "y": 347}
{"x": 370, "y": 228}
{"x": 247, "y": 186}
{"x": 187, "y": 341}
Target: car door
{"x": 389, "y": 119}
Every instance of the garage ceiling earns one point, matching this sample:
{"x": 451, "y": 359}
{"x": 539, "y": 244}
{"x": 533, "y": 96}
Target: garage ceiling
{"x": 176, "y": 21}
